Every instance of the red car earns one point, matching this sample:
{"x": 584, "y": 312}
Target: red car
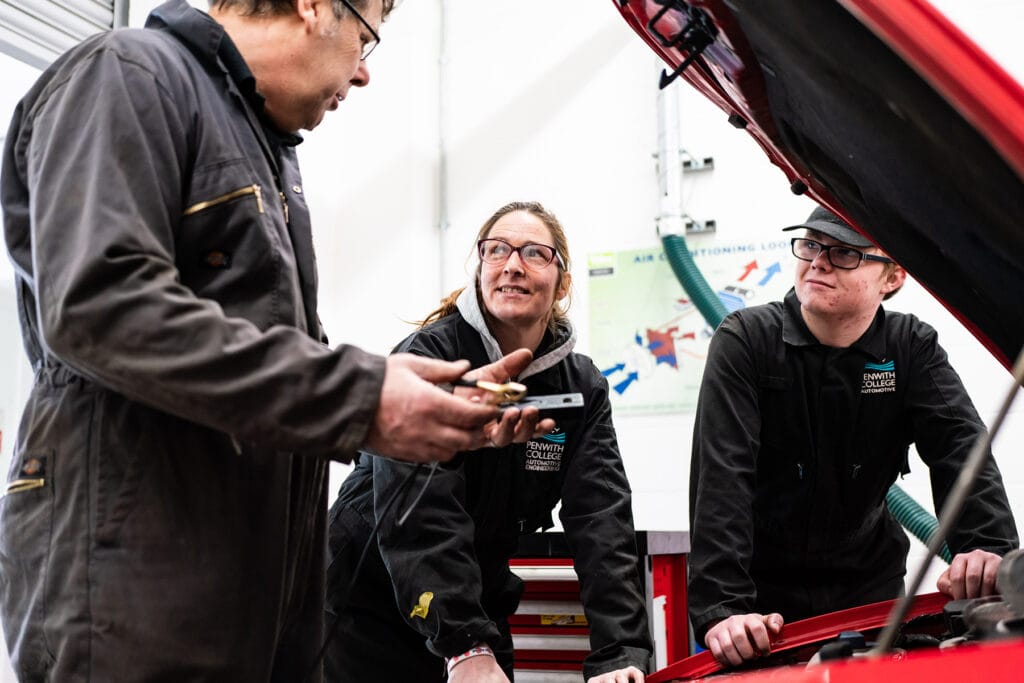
{"x": 886, "y": 113}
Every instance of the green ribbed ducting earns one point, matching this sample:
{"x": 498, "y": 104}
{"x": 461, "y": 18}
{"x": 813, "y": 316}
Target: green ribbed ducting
{"x": 907, "y": 511}
{"x": 692, "y": 280}
{"x": 914, "y": 518}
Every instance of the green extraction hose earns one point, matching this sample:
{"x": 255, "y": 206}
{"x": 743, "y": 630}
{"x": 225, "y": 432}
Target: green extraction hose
{"x": 914, "y": 518}
{"x": 692, "y": 280}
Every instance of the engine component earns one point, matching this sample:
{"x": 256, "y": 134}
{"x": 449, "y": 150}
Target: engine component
{"x": 1010, "y": 580}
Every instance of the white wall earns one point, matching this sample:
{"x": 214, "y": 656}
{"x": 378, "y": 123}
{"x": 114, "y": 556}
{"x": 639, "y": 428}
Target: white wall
{"x": 554, "y": 102}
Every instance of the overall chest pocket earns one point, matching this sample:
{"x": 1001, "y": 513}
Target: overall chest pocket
{"x": 784, "y": 461}
{"x": 229, "y": 240}
{"x": 780, "y": 417}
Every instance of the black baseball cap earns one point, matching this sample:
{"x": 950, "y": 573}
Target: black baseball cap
{"x": 827, "y": 223}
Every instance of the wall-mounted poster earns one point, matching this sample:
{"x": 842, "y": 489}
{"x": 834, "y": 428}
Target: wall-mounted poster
{"x": 648, "y": 338}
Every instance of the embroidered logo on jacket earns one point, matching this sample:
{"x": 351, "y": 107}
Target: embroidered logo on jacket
{"x": 545, "y": 455}
{"x": 879, "y": 378}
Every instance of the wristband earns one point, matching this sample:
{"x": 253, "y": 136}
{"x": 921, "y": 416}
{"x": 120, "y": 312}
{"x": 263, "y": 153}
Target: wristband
{"x": 476, "y": 650}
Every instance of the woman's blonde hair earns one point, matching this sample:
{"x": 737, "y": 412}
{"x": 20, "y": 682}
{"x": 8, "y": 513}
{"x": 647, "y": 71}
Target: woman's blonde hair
{"x": 560, "y": 307}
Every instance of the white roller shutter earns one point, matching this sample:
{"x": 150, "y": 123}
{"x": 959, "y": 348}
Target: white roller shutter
{"x": 37, "y": 31}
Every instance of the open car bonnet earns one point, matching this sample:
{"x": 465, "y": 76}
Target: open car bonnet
{"x": 883, "y": 111}
{"x": 887, "y": 114}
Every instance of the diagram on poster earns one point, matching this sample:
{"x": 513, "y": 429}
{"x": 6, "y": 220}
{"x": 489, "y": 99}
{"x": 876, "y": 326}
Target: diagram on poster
{"x": 647, "y": 337}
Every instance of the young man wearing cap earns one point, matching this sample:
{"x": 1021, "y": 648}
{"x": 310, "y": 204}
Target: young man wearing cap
{"x": 806, "y": 411}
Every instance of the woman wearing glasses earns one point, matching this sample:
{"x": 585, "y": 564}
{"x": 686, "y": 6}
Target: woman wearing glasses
{"x": 435, "y": 592}
{"x": 807, "y": 408}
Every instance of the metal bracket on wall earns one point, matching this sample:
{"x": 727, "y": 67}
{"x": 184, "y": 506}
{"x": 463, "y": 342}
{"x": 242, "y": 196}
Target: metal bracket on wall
{"x": 692, "y": 163}
{"x": 696, "y": 227}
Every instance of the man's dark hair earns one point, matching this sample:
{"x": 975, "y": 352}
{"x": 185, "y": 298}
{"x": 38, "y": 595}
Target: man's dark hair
{"x": 271, "y": 7}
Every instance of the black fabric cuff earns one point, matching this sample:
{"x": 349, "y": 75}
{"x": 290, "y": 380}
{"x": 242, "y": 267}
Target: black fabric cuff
{"x": 628, "y": 656}
{"x": 462, "y": 639}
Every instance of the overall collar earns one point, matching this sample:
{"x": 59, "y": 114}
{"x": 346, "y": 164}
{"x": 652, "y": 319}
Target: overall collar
{"x": 211, "y": 44}
{"x": 796, "y": 333}
{"x": 553, "y": 348}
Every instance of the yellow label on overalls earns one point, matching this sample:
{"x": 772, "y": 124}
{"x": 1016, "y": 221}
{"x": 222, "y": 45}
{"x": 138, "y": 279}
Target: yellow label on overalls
{"x": 421, "y": 609}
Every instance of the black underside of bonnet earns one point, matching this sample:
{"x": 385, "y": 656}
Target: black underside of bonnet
{"x": 907, "y": 168}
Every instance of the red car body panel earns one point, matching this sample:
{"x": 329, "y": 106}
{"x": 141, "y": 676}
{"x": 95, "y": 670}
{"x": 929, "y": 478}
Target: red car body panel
{"x": 995, "y": 662}
{"x": 807, "y": 632}
{"x": 954, "y": 65}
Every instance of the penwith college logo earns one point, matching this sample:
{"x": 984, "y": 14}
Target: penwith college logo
{"x": 879, "y": 378}
{"x": 545, "y": 455}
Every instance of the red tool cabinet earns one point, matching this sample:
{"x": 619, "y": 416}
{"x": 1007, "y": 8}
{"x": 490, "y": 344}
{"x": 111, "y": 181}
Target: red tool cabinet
{"x": 549, "y": 630}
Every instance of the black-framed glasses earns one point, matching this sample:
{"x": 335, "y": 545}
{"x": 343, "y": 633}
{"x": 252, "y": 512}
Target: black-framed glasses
{"x": 369, "y": 45}
{"x": 533, "y": 255}
{"x": 838, "y": 255}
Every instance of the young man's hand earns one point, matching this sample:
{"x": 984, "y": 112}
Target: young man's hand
{"x": 743, "y": 636}
{"x": 970, "y": 575}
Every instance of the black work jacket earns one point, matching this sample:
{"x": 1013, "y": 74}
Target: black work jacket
{"x": 460, "y": 536}
{"x": 794, "y": 449}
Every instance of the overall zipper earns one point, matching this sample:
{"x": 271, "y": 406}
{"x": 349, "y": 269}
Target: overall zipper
{"x": 227, "y": 197}
{"x": 19, "y": 485}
